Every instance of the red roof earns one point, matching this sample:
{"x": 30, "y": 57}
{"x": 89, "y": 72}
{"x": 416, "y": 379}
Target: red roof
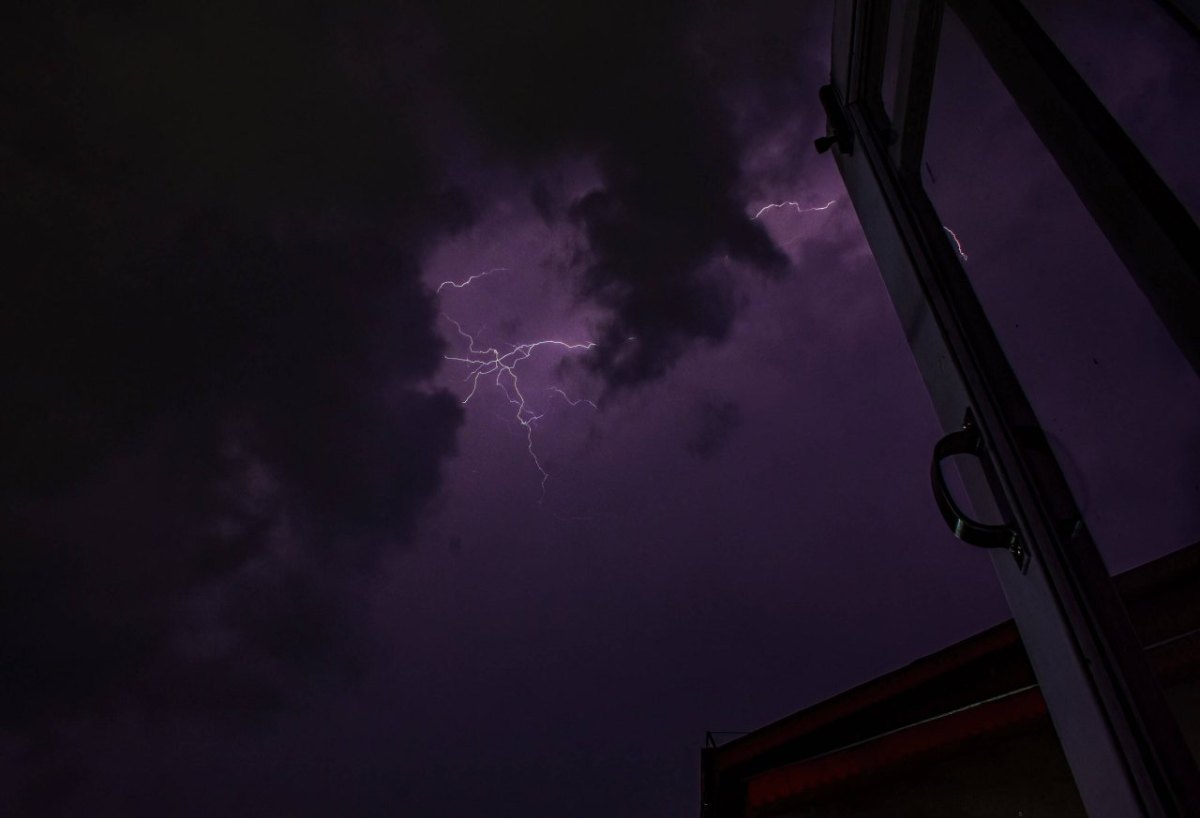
{"x": 978, "y": 688}
{"x": 1004, "y": 712}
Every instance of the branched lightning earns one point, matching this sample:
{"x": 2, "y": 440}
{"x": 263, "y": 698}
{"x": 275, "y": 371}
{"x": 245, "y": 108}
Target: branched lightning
{"x": 957, "y": 244}
{"x": 487, "y": 361}
{"x": 458, "y": 285}
{"x": 796, "y": 205}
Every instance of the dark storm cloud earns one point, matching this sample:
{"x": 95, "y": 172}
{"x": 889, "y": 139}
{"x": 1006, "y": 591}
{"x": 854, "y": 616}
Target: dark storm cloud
{"x": 214, "y": 342}
{"x": 717, "y": 422}
{"x": 627, "y": 84}
{"x": 215, "y": 336}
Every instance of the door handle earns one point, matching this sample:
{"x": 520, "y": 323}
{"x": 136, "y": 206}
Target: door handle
{"x": 967, "y": 440}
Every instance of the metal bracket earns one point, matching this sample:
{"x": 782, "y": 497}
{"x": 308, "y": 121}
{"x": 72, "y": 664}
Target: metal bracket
{"x": 840, "y": 132}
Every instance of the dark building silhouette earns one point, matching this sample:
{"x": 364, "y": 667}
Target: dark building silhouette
{"x": 964, "y": 731}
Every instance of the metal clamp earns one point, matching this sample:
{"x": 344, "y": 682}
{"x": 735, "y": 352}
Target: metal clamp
{"x": 840, "y": 134}
{"x": 983, "y": 535}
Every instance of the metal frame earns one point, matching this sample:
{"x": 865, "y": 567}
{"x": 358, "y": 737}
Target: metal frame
{"x": 1148, "y": 227}
{"x": 1123, "y": 744}
{"x": 1186, "y": 13}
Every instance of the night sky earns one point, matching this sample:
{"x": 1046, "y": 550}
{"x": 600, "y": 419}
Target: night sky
{"x": 260, "y": 558}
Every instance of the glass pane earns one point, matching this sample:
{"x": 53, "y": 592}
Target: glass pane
{"x": 1120, "y": 404}
{"x": 891, "y": 61}
{"x": 1157, "y": 68}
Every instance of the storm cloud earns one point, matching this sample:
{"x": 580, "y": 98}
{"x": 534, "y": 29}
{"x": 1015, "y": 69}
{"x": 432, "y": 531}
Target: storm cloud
{"x": 217, "y": 344}
{"x": 635, "y": 88}
{"x": 216, "y": 348}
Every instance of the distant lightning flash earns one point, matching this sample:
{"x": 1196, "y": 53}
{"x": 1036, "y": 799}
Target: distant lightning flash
{"x": 458, "y": 285}
{"x": 486, "y": 361}
{"x": 568, "y": 399}
{"x": 957, "y": 244}
{"x": 796, "y": 205}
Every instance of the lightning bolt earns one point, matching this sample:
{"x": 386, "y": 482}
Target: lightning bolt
{"x": 567, "y": 398}
{"x": 957, "y": 244}
{"x": 458, "y": 285}
{"x": 487, "y": 361}
{"x": 796, "y": 205}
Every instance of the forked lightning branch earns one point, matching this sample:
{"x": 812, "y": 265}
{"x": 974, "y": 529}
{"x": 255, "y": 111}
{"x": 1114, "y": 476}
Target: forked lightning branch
{"x": 499, "y": 368}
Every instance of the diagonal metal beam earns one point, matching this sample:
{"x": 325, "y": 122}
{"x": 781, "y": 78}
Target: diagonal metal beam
{"x": 922, "y": 28}
{"x": 1184, "y": 12}
{"x": 1146, "y": 224}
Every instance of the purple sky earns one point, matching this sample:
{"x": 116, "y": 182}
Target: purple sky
{"x": 260, "y": 560}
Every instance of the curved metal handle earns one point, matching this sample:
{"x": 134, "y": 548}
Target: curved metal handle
{"x": 966, "y": 441}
